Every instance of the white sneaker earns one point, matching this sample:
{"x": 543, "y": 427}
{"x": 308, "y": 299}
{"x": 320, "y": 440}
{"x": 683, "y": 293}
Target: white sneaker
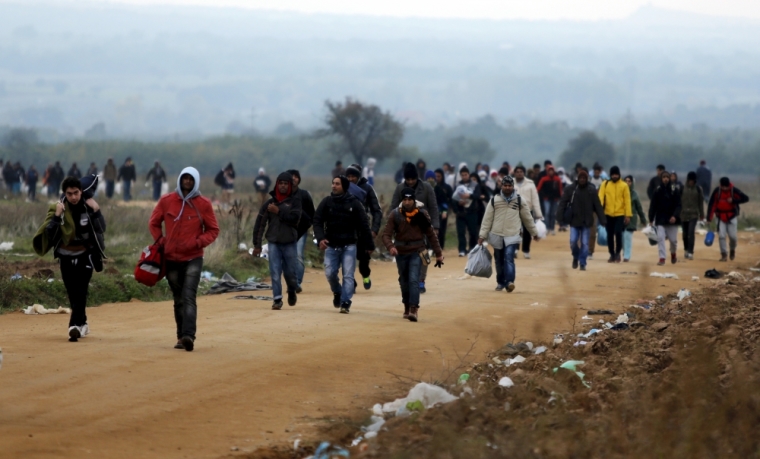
{"x": 554, "y": 233}
{"x": 461, "y": 254}
{"x": 526, "y": 256}
{"x": 84, "y": 330}
{"x": 74, "y": 333}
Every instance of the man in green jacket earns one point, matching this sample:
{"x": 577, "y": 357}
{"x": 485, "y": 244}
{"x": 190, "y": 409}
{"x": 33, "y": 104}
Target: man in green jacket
{"x": 633, "y": 225}
{"x": 692, "y": 210}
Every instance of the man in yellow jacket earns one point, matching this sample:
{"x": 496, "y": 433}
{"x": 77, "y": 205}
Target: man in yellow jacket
{"x": 616, "y": 200}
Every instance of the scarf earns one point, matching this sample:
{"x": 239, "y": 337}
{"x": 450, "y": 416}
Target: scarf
{"x": 508, "y": 198}
{"x": 281, "y": 197}
{"x": 410, "y": 215}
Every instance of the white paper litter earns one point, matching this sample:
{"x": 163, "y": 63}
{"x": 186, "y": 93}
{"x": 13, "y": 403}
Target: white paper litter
{"x": 38, "y": 309}
{"x": 6, "y": 246}
{"x": 622, "y": 319}
{"x": 428, "y": 394}
{"x": 695, "y": 278}
{"x": 506, "y": 382}
{"x": 517, "y": 359}
{"x": 664, "y": 275}
{"x": 683, "y": 293}
{"x": 539, "y": 350}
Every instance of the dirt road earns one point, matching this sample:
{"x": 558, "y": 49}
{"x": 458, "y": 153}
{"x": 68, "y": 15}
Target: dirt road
{"x": 259, "y": 376}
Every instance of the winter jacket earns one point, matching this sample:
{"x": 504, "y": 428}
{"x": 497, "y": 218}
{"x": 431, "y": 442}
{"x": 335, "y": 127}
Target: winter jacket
{"x": 58, "y": 174}
{"x": 423, "y": 193}
{"x": 692, "y": 203}
{"x": 409, "y": 236}
{"x": 527, "y": 190}
{"x": 550, "y": 188}
{"x": 506, "y": 219}
{"x": 157, "y": 173}
{"x": 342, "y": 221}
{"x": 470, "y": 205}
{"x": 704, "y": 179}
{"x": 189, "y": 222}
{"x": 31, "y": 178}
{"x": 262, "y": 183}
{"x": 307, "y": 211}
{"x": 371, "y": 204}
{"x": 654, "y": 183}
{"x": 74, "y": 172}
{"x": 443, "y": 193}
{"x": 665, "y": 204}
{"x": 79, "y": 227}
{"x": 585, "y": 203}
{"x": 638, "y": 211}
{"x": 616, "y": 198}
{"x": 109, "y": 172}
{"x": 726, "y": 211}
{"x": 127, "y": 173}
{"x": 282, "y": 227}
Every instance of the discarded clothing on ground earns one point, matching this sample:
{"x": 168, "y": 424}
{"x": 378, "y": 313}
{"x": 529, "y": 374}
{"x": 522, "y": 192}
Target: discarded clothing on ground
{"x": 228, "y": 284}
{"x": 40, "y": 309}
{"x": 252, "y": 297}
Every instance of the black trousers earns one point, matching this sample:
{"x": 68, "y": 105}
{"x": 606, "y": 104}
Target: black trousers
{"x": 363, "y": 258}
{"x": 526, "y": 239}
{"x": 469, "y": 223}
{"x": 442, "y": 232}
{"x": 615, "y": 227}
{"x": 183, "y": 278}
{"x": 76, "y": 273}
{"x": 689, "y": 227}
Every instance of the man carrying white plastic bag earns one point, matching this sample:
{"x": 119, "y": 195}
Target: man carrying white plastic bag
{"x": 505, "y": 216}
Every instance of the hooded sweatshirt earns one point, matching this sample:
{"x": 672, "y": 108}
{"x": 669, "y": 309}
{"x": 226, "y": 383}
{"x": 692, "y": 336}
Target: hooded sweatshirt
{"x": 282, "y": 227}
{"x": 692, "y": 200}
{"x": 637, "y": 210}
{"x": 369, "y": 171}
{"x": 189, "y": 221}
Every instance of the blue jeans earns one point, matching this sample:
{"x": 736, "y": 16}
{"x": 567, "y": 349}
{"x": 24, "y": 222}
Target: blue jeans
{"x": 16, "y": 188}
{"x": 550, "y": 213}
{"x": 157, "y": 189}
{"x": 126, "y": 188}
{"x": 627, "y": 244}
{"x": 335, "y": 258}
{"x": 409, "y": 278}
{"x": 300, "y": 249}
{"x": 109, "y": 188}
{"x": 283, "y": 261}
{"x": 509, "y": 273}
{"x": 581, "y": 234}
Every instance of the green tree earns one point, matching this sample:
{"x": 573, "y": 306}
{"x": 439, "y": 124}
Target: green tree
{"x": 360, "y": 130}
{"x": 587, "y": 149}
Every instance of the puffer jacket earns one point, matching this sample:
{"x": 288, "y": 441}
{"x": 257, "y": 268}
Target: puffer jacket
{"x": 282, "y": 227}
{"x": 506, "y": 219}
{"x": 692, "y": 203}
{"x": 341, "y": 220}
{"x": 665, "y": 205}
{"x": 616, "y": 198}
{"x": 423, "y": 193}
{"x": 585, "y": 203}
{"x": 527, "y": 190}
{"x": 409, "y": 237}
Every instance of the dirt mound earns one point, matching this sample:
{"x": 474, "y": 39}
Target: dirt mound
{"x": 37, "y": 268}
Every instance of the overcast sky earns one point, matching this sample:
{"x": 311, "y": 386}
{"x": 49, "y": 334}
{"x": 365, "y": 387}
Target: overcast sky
{"x": 493, "y": 9}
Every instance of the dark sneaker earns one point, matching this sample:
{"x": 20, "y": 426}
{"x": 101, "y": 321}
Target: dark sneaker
{"x": 344, "y": 307}
{"x": 617, "y": 258}
{"x": 413, "y": 313}
{"x": 406, "y": 311}
{"x": 299, "y": 289}
{"x": 188, "y": 343}
{"x": 179, "y": 345}
{"x": 732, "y": 255}
{"x": 422, "y": 287}
{"x": 292, "y": 298}
{"x": 336, "y": 300}
{"x": 583, "y": 267}
{"x": 612, "y": 259}
{"x": 343, "y": 310}
{"x": 673, "y": 258}
{"x": 511, "y": 287}
{"x": 367, "y": 283}
{"x": 723, "y": 257}
{"x": 499, "y": 287}
{"x": 277, "y": 305}
{"x": 74, "y": 333}
{"x": 661, "y": 262}
{"x": 575, "y": 263}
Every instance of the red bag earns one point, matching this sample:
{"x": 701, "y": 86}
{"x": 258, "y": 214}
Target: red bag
{"x": 151, "y": 267}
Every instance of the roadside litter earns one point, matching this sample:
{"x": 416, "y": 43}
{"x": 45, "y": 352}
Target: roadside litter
{"x": 695, "y": 278}
{"x": 38, "y": 309}
{"x": 599, "y": 312}
{"x": 6, "y": 246}
{"x": 228, "y": 284}
{"x": 427, "y": 394}
{"x": 242, "y": 246}
{"x": 572, "y": 365}
{"x": 506, "y": 382}
{"x": 327, "y": 450}
{"x": 664, "y": 275}
{"x": 252, "y": 297}
{"x": 683, "y": 293}
{"x": 713, "y": 274}
{"x": 17, "y": 276}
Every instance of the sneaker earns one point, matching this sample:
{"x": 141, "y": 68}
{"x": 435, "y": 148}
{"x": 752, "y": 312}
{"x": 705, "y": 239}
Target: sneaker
{"x": 277, "y": 305}
{"x": 344, "y": 307}
{"x": 188, "y": 343}
{"x": 583, "y": 267}
{"x": 179, "y": 345}
{"x": 625, "y": 260}
{"x": 617, "y": 258}
{"x": 553, "y": 233}
{"x": 406, "y": 311}
{"x": 422, "y": 287}
{"x": 612, "y": 259}
{"x": 732, "y": 255}
{"x": 590, "y": 256}
{"x": 499, "y": 287}
{"x": 84, "y": 330}
{"x": 299, "y": 289}
{"x": 575, "y": 263}
{"x": 461, "y": 254}
{"x": 723, "y": 257}
{"x": 661, "y": 262}
{"x": 510, "y": 287}
{"x": 673, "y": 258}
{"x": 367, "y": 283}
{"x": 292, "y": 298}
{"x": 526, "y": 255}
{"x": 74, "y": 333}
{"x": 336, "y": 300}
{"x": 413, "y": 311}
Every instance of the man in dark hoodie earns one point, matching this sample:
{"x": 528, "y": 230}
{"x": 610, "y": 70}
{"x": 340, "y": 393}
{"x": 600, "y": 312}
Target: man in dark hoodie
{"x": 421, "y": 168}
{"x": 372, "y": 207}
{"x": 443, "y": 193}
{"x": 127, "y": 175}
{"x": 655, "y": 182}
{"x": 339, "y": 222}
{"x": 724, "y": 203}
{"x": 665, "y": 213}
{"x": 278, "y": 219}
{"x": 423, "y": 193}
{"x": 307, "y": 216}
{"x": 692, "y": 211}
{"x": 579, "y": 203}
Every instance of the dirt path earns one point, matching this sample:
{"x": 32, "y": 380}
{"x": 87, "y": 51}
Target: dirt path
{"x": 259, "y": 376}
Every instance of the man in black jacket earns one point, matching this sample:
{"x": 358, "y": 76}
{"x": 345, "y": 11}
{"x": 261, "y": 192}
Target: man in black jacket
{"x": 655, "y": 182}
{"x": 665, "y": 213}
{"x": 443, "y": 193}
{"x": 307, "y": 216}
{"x": 579, "y": 203}
{"x": 280, "y": 216}
{"x": 372, "y": 207}
{"x": 127, "y": 175}
{"x": 339, "y": 222}
{"x": 157, "y": 176}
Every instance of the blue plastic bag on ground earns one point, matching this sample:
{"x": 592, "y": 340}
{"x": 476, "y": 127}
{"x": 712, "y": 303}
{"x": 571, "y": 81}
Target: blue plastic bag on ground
{"x": 601, "y": 235}
{"x": 479, "y": 262}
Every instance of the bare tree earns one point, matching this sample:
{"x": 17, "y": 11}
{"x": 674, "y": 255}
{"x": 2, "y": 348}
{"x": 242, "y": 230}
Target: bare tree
{"x": 363, "y": 131}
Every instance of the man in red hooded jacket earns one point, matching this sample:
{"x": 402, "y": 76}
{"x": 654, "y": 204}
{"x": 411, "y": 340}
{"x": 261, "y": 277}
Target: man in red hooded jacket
{"x": 191, "y": 226}
{"x": 724, "y": 203}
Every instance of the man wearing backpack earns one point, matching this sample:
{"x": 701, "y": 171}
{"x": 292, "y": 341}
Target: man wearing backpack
{"x": 184, "y": 223}
{"x": 372, "y": 207}
{"x": 577, "y": 208}
{"x": 404, "y": 237}
{"x": 724, "y": 203}
{"x": 506, "y": 214}
{"x": 280, "y": 216}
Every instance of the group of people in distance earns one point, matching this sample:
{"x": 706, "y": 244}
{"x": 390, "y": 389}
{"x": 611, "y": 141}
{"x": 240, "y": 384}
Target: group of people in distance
{"x": 348, "y": 222}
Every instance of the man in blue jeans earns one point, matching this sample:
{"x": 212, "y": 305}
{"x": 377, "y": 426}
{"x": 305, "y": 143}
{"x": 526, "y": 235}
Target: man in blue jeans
{"x": 339, "y": 223}
{"x": 279, "y": 216}
{"x": 404, "y": 237}
{"x": 583, "y": 203}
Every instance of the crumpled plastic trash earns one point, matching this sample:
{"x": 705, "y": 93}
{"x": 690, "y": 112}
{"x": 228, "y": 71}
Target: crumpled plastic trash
{"x": 572, "y": 365}
{"x": 512, "y": 361}
{"x": 428, "y": 394}
{"x": 683, "y": 293}
{"x": 38, "y": 309}
{"x": 16, "y": 276}
{"x": 6, "y": 246}
{"x": 539, "y": 350}
{"x": 243, "y": 246}
{"x": 664, "y": 275}
{"x": 736, "y": 275}
{"x": 377, "y": 423}
{"x": 207, "y": 275}
{"x": 558, "y": 338}
{"x": 506, "y": 382}
{"x": 580, "y": 343}
{"x": 327, "y": 450}
{"x": 590, "y": 333}
{"x": 463, "y": 378}
{"x": 622, "y": 319}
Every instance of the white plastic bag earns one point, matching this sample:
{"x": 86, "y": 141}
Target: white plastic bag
{"x": 541, "y": 228}
{"x": 164, "y": 188}
{"x": 479, "y": 262}
{"x": 117, "y": 188}
{"x": 651, "y": 234}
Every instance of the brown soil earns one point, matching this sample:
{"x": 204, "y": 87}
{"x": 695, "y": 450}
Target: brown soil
{"x": 34, "y": 267}
{"x": 260, "y": 378}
